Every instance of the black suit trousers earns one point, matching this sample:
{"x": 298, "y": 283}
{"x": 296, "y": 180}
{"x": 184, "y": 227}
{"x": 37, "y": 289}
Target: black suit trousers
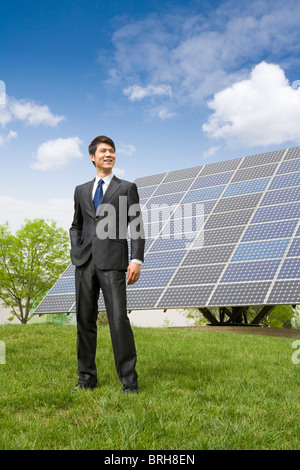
{"x": 89, "y": 279}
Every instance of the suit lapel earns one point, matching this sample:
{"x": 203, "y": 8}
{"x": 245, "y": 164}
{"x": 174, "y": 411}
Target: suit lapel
{"x": 112, "y": 188}
{"x": 89, "y": 196}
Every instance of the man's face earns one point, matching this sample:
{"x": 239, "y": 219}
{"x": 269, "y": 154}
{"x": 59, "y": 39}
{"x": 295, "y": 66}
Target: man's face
{"x": 104, "y": 158}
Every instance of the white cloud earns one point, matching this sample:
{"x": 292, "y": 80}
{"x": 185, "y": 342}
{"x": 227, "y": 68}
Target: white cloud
{"x": 2, "y": 93}
{"x": 262, "y": 110}
{"x": 29, "y": 112}
{"x": 127, "y": 150}
{"x": 8, "y": 137}
{"x": 119, "y": 172}
{"x": 211, "y": 151}
{"x": 198, "y": 55}
{"x": 165, "y": 114}
{"x": 55, "y": 154}
{"x": 5, "y": 115}
{"x": 137, "y": 93}
{"x": 15, "y": 211}
{"x": 33, "y": 113}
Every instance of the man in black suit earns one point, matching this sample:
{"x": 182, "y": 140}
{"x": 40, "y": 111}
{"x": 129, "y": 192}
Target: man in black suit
{"x": 103, "y": 208}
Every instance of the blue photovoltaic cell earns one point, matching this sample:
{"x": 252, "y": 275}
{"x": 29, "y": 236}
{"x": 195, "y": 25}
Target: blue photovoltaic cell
{"x": 168, "y": 199}
{"x": 143, "y": 201}
{"x": 246, "y": 187}
{"x": 154, "y": 278}
{"x": 284, "y": 292}
{"x": 293, "y": 152}
{"x": 289, "y": 166}
{"x": 173, "y": 244}
{"x": 157, "y": 213}
{"x": 152, "y": 230}
{"x": 280, "y": 229}
{"x": 64, "y": 285}
{"x": 284, "y": 181}
{"x": 280, "y": 196}
{"x": 261, "y": 250}
{"x": 203, "y": 194}
{"x": 254, "y": 173}
{"x": 59, "y": 303}
{"x": 179, "y": 175}
{"x": 70, "y": 271}
{"x": 207, "y": 274}
{"x": 149, "y": 180}
{"x": 148, "y": 243}
{"x": 290, "y": 269}
{"x": 294, "y": 248}
{"x": 146, "y": 192}
{"x": 174, "y": 187}
{"x": 180, "y": 226}
{"x": 229, "y": 219}
{"x": 208, "y": 206}
{"x": 143, "y": 298}
{"x": 212, "y": 180}
{"x": 250, "y": 271}
{"x": 220, "y": 167}
{"x": 194, "y": 209}
{"x": 262, "y": 158}
{"x": 246, "y": 293}
{"x": 286, "y": 211}
{"x": 219, "y": 236}
{"x": 230, "y": 204}
{"x": 160, "y": 260}
{"x": 173, "y": 228}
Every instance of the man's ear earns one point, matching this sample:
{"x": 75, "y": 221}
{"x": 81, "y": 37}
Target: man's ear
{"x": 92, "y": 158}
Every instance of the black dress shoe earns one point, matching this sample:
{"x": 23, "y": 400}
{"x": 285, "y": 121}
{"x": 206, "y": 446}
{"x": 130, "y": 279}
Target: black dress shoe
{"x": 83, "y": 386}
{"x": 130, "y": 390}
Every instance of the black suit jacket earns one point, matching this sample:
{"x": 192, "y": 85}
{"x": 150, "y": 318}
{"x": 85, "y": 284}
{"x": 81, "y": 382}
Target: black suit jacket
{"x": 110, "y": 252}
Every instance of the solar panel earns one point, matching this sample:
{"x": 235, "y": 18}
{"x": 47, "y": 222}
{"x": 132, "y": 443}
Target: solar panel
{"x": 224, "y": 234}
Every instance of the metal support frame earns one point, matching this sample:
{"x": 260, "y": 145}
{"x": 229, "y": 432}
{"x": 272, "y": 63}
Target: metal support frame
{"x": 237, "y": 316}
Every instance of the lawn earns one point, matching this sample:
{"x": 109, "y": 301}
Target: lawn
{"x": 198, "y": 390}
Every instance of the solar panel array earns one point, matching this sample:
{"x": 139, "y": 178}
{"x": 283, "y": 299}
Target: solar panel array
{"x": 221, "y": 234}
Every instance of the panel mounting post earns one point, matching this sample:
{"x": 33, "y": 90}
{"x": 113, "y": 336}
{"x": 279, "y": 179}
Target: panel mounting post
{"x": 262, "y": 314}
{"x": 208, "y": 315}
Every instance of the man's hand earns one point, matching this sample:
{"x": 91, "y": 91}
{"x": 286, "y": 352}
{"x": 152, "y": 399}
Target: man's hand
{"x": 133, "y": 272}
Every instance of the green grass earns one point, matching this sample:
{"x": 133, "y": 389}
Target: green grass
{"x": 198, "y": 390}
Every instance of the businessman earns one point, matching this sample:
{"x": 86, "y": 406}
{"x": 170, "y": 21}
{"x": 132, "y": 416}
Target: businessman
{"x": 99, "y": 250}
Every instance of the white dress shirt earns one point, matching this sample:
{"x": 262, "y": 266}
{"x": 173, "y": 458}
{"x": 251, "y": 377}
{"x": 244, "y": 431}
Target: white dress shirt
{"x": 106, "y": 180}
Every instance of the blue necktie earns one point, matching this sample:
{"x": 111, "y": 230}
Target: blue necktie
{"x": 98, "y": 195}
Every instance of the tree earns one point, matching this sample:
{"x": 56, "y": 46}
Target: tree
{"x": 280, "y": 317}
{"x": 31, "y": 262}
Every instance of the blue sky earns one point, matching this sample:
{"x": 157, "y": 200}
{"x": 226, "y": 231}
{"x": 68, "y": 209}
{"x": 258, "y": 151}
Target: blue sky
{"x": 176, "y": 84}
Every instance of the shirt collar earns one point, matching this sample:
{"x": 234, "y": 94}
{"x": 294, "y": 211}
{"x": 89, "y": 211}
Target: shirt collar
{"x": 107, "y": 179}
